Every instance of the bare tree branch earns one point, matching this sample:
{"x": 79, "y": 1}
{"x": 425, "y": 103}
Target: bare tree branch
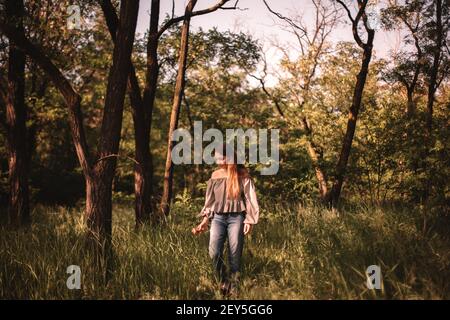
{"x": 234, "y": 7}
{"x": 271, "y": 96}
{"x": 175, "y": 20}
{"x": 117, "y": 156}
{"x": 287, "y": 19}
{"x": 173, "y": 9}
{"x": 361, "y": 14}
{"x": 349, "y": 14}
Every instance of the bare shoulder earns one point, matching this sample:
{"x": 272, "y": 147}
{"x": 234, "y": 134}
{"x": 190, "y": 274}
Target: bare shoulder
{"x": 219, "y": 173}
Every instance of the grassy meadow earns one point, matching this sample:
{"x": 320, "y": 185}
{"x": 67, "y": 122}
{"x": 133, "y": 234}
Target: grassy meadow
{"x": 298, "y": 252}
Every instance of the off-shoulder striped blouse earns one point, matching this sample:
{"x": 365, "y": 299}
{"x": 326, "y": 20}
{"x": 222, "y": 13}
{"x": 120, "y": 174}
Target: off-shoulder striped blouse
{"x": 216, "y": 199}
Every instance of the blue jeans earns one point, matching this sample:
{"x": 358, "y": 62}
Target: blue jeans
{"x": 229, "y": 225}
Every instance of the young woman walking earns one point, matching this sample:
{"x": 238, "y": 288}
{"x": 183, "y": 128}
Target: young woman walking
{"x": 232, "y": 208}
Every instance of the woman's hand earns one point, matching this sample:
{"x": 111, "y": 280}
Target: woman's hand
{"x": 247, "y": 228}
{"x": 202, "y": 227}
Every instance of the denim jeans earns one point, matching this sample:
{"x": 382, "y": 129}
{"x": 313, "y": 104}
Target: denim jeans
{"x": 231, "y": 226}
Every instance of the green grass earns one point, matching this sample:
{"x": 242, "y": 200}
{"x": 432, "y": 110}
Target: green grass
{"x": 293, "y": 253}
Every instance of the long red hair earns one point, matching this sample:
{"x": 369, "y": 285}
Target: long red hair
{"x": 234, "y": 173}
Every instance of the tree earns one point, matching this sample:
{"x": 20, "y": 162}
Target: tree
{"x": 427, "y": 23}
{"x": 427, "y": 26}
{"x": 302, "y": 73}
{"x": 179, "y": 89}
{"x": 98, "y": 173}
{"x": 408, "y": 68}
{"x": 436, "y": 54}
{"x": 312, "y": 44}
{"x": 16, "y": 116}
{"x": 174, "y": 116}
{"x": 142, "y": 108}
{"x": 341, "y": 165}
{"x": 217, "y": 92}
{"x": 143, "y": 104}
{"x": 100, "y": 177}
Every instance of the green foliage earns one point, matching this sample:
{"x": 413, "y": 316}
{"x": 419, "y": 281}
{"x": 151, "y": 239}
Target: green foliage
{"x": 393, "y": 158}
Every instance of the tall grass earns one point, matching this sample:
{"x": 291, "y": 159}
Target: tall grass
{"x": 295, "y": 252}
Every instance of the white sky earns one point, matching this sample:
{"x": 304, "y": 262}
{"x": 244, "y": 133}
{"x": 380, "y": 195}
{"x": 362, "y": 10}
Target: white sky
{"x": 260, "y": 23}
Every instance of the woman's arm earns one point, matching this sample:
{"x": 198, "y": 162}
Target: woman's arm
{"x": 209, "y": 201}
{"x": 251, "y": 202}
{"x": 206, "y": 212}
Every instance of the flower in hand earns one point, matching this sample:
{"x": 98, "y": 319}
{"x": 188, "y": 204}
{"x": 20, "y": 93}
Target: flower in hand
{"x": 202, "y": 227}
{"x": 247, "y": 228}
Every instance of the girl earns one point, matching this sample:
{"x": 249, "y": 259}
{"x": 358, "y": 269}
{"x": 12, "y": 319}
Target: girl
{"x": 232, "y": 208}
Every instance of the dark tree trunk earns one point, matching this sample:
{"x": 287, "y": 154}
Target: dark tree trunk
{"x": 351, "y": 125}
{"x": 315, "y": 159}
{"x": 432, "y": 87}
{"x": 143, "y": 174}
{"x": 99, "y": 183}
{"x": 341, "y": 166}
{"x": 142, "y": 110}
{"x": 16, "y": 117}
{"x": 411, "y": 106}
{"x": 411, "y": 88}
{"x": 177, "y": 99}
{"x": 99, "y": 202}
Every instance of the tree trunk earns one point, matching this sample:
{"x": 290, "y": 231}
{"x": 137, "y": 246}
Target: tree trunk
{"x": 99, "y": 183}
{"x": 432, "y": 88}
{"x": 142, "y": 110}
{"x": 435, "y": 67}
{"x": 99, "y": 203}
{"x": 143, "y": 175}
{"x": 16, "y": 117}
{"x": 314, "y": 156}
{"x": 351, "y": 124}
{"x": 320, "y": 175}
{"x": 177, "y": 98}
{"x": 411, "y": 106}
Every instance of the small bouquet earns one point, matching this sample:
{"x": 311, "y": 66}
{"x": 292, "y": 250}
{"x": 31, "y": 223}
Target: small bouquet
{"x": 202, "y": 227}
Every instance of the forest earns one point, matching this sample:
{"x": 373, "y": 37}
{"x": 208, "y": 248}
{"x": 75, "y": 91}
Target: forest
{"x": 90, "y": 101}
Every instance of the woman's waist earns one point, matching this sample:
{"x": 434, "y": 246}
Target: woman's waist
{"x": 220, "y": 213}
{"x": 226, "y": 206}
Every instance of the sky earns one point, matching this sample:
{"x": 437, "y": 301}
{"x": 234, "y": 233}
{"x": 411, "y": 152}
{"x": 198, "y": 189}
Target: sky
{"x": 255, "y": 19}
